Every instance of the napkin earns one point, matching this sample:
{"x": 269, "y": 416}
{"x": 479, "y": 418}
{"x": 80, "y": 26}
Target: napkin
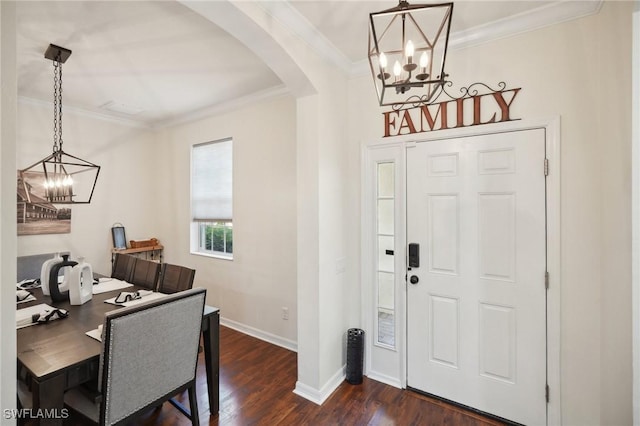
{"x": 24, "y": 296}
{"x": 143, "y": 297}
{"x": 128, "y": 296}
{"x": 49, "y": 315}
{"x": 29, "y": 284}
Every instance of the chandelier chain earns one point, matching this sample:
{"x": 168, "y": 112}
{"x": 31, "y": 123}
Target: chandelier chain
{"x": 60, "y": 105}
{"x": 55, "y": 106}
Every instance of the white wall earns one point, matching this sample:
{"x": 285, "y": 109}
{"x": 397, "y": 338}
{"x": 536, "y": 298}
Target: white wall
{"x": 579, "y": 71}
{"x": 252, "y": 289}
{"x": 125, "y": 192}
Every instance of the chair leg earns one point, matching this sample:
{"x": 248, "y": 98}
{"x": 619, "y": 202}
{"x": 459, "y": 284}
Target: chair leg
{"x": 193, "y": 406}
{"x": 192, "y": 413}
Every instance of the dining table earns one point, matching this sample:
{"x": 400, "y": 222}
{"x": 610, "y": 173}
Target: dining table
{"x": 57, "y": 355}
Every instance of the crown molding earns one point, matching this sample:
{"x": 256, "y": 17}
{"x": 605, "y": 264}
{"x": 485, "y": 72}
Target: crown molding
{"x": 84, "y": 113}
{"x": 289, "y": 16}
{"x": 223, "y": 107}
{"x": 534, "y": 19}
{"x": 541, "y": 17}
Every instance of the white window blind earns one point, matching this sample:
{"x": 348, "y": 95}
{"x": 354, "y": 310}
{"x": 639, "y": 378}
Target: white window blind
{"x": 211, "y": 181}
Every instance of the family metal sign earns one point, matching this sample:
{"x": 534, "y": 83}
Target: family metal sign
{"x": 473, "y": 108}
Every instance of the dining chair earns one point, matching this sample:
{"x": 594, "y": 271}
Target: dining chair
{"x": 123, "y": 265}
{"x": 145, "y": 274}
{"x": 174, "y": 278}
{"x": 149, "y": 354}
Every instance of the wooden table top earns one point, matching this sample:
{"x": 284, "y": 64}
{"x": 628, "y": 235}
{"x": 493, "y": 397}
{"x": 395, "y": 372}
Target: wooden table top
{"x": 50, "y": 348}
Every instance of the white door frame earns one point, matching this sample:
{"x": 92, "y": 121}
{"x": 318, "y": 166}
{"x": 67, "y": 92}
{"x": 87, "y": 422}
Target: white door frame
{"x": 552, "y": 146}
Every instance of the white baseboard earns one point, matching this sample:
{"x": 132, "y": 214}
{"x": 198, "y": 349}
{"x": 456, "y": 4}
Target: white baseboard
{"x": 308, "y": 392}
{"x": 319, "y": 396}
{"x": 259, "y": 334}
{"x": 382, "y": 378}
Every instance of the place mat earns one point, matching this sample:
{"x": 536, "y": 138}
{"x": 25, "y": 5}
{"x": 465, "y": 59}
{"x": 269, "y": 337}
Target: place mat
{"x": 105, "y": 285}
{"x": 151, "y": 295}
{"x": 24, "y": 316}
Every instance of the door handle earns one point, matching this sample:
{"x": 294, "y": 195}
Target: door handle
{"x": 414, "y": 279}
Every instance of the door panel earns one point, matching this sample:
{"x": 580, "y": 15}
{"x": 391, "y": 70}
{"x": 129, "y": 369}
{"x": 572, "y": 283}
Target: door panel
{"x": 476, "y": 316}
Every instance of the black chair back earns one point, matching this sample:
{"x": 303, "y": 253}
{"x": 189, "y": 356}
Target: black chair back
{"x": 123, "y": 265}
{"x": 145, "y": 274}
{"x": 175, "y": 278}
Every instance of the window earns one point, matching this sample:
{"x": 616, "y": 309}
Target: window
{"x": 215, "y": 237}
{"x": 385, "y": 225}
{"x": 211, "y": 198}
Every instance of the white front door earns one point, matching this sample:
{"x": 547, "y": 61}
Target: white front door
{"x": 476, "y": 315}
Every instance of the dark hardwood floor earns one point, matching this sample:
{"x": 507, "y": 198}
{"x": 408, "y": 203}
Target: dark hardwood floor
{"x": 256, "y": 384}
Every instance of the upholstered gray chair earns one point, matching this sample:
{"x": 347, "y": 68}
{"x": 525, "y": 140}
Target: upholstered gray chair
{"x": 145, "y": 274}
{"x": 174, "y": 278}
{"x": 123, "y": 265}
{"x": 149, "y": 354}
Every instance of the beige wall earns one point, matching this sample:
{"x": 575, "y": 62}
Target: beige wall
{"x": 614, "y": 148}
{"x": 579, "y": 71}
{"x": 252, "y": 289}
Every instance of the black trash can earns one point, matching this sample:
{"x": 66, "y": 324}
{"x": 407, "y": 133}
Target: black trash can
{"x": 355, "y": 355}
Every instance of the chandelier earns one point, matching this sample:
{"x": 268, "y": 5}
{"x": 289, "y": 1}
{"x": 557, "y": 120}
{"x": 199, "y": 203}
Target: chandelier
{"x": 407, "y": 52}
{"x": 59, "y": 178}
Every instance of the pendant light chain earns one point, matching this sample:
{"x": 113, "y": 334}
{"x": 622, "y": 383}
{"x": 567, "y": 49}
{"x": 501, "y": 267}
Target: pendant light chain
{"x": 57, "y": 106}
{"x": 60, "y": 105}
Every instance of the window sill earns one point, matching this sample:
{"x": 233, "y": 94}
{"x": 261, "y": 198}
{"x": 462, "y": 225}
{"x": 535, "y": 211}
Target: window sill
{"x": 215, "y": 256}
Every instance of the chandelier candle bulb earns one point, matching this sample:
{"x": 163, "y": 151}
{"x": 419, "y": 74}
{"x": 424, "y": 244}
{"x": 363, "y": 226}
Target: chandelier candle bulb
{"x": 409, "y": 51}
{"x": 397, "y": 70}
{"x": 383, "y": 64}
{"x": 424, "y": 63}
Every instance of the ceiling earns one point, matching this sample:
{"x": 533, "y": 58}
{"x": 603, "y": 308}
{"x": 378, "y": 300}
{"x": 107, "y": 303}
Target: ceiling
{"x": 159, "y": 62}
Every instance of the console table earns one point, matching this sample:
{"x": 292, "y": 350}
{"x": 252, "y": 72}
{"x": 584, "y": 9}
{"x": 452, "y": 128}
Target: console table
{"x": 150, "y": 252}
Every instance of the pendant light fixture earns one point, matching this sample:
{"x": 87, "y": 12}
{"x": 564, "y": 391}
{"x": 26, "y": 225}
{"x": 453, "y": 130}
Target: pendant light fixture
{"x": 59, "y": 178}
{"x": 407, "y": 52}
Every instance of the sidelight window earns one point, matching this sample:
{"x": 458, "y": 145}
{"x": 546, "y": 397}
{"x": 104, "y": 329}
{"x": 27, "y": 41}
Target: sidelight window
{"x": 385, "y": 229}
